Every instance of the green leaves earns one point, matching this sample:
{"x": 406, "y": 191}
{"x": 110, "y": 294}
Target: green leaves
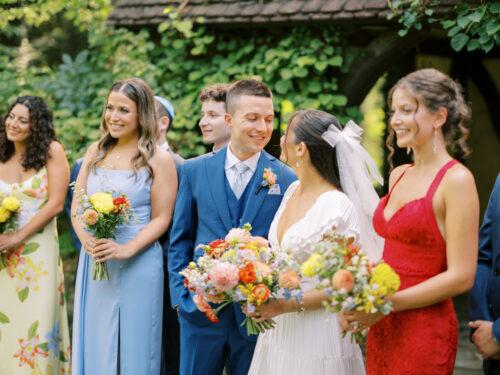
{"x": 4, "y": 319}
{"x": 32, "y": 330}
{"x": 23, "y": 294}
{"x": 30, "y": 248}
{"x": 469, "y": 25}
{"x": 459, "y": 41}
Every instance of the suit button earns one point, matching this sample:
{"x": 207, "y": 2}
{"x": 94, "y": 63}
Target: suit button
{"x": 497, "y": 271}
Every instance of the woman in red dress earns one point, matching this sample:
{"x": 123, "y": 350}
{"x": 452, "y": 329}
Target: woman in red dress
{"x": 429, "y": 220}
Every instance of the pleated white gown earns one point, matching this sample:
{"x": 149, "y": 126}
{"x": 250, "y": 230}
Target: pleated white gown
{"x": 309, "y": 342}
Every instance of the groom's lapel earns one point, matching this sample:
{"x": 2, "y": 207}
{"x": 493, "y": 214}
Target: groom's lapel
{"x": 255, "y": 200}
{"x": 215, "y": 178}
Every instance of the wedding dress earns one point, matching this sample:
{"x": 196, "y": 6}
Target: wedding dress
{"x": 309, "y": 342}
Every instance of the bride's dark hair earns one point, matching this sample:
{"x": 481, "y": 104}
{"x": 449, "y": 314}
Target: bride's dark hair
{"x": 309, "y": 126}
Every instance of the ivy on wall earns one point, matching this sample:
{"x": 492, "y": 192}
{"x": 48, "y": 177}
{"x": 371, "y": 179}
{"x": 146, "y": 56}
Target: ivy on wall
{"x": 301, "y": 65}
{"x": 470, "y": 26}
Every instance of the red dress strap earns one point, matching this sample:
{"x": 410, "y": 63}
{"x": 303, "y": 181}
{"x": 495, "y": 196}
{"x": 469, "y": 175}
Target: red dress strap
{"x": 399, "y": 178}
{"x": 429, "y": 210}
{"x": 439, "y": 177}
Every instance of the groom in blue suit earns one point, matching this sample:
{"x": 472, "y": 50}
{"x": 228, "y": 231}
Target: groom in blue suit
{"x": 217, "y": 192}
{"x": 485, "y": 295}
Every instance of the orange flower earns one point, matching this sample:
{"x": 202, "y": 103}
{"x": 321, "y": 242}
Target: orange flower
{"x": 343, "y": 279}
{"x": 216, "y": 248}
{"x": 90, "y": 216}
{"x": 203, "y": 306}
{"x": 260, "y": 293}
{"x": 247, "y": 274}
{"x": 289, "y": 279}
{"x": 29, "y": 350}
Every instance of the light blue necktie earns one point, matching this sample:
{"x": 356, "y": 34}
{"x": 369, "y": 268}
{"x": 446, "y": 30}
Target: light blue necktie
{"x": 239, "y": 181}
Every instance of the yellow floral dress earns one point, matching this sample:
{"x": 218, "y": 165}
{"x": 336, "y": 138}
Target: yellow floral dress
{"x": 34, "y": 335}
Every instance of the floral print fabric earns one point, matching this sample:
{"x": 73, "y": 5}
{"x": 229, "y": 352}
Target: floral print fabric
{"x": 34, "y": 335}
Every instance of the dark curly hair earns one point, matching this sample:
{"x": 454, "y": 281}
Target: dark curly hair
{"x": 435, "y": 89}
{"x": 38, "y": 142}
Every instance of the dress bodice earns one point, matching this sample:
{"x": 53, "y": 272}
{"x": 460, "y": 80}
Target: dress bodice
{"x": 330, "y": 208}
{"x": 137, "y": 188}
{"x": 32, "y": 193}
{"x": 414, "y": 246}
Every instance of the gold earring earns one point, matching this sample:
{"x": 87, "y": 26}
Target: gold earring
{"x": 434, "y": 142}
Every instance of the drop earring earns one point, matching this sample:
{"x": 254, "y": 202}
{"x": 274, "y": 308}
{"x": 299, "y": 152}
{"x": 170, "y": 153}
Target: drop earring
{"x": 408, "y": 150}
{"x": 434, "y": 143}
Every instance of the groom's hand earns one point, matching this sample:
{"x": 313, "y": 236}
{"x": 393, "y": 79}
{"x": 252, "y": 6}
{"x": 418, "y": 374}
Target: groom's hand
{"x": 484, "y": 340}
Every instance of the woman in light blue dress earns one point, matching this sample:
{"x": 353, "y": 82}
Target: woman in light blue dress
{"x": 117, "y": 323}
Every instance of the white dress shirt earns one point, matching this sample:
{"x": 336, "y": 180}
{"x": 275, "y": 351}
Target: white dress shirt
{"x": 232, "y": 160}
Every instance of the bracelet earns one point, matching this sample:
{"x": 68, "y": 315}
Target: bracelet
{"x": 302, "y": 308}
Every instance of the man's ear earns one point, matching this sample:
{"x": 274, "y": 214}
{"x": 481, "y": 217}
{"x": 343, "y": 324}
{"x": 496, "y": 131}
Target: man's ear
{"x": 229, "y": 120}
{"x": 164, "y": 123}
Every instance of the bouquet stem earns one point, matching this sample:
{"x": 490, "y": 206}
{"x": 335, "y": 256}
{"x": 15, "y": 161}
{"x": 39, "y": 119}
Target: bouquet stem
{"x": 254, "y": 328}
{"x": 100, "y": 271}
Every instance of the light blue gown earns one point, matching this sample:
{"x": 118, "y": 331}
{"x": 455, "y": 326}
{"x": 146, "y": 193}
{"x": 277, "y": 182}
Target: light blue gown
{"x": 120, "y": 320}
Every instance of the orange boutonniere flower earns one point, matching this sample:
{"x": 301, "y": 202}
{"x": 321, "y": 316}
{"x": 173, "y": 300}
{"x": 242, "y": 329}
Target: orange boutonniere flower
{"x": 268, "y": 179}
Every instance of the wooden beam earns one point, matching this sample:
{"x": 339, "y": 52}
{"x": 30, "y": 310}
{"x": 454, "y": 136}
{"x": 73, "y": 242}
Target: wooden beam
{"x": 375, "y": 60}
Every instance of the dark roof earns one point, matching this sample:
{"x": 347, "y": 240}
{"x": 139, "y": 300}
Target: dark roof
{"x": 214, "y": 12}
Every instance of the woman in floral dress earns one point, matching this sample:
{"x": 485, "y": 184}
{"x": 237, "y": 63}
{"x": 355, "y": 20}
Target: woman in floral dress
{"x": 34, "y": 336}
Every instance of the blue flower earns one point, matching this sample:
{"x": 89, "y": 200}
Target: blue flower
{"x": 54, "y": 339}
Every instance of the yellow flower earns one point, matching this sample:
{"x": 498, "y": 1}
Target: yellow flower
{"x": 4, "y": 214}
{"x": 11, "y": 203}
{"x": 102, "y": 202}
{"x": 386, "y": 278}
{"x": 312, "y": 266}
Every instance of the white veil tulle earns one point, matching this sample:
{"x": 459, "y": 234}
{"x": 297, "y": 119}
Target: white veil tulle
{"x": 358, "y": 172}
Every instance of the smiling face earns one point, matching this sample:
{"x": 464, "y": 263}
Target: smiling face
{"x": 212, "y": 123}
{"x": 251, "y": 124}
{"x": 120, "y": 116}
{"x": 411, "y": 120}
{"x": 17, "y": 124}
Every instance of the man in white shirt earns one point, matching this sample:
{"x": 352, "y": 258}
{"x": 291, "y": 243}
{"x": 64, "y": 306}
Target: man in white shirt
{"x": 213, "y": 108}
{"x": 219, "y": 191}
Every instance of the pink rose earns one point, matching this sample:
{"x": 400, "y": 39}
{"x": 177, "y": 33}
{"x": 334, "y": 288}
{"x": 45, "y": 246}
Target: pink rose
{"x": 238, "y": 235}
{"x": 90, "y": 216}
{"x": 262, "y": 269}
{"x": 270, "y": 177}
{"x": 224, "y": 276}
{"x": 343, "y": 279}
{"x": 289, "y": 279}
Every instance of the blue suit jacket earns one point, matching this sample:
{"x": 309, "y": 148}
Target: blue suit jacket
{"x": 202, "y": 215}
{"x": 75, "y": 170}
{"x": 484, "y": 298}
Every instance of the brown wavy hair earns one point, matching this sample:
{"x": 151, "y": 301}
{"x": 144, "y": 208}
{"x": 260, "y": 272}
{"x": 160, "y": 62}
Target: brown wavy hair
{"x": 434, "y": 90}
{"x": 38, "y": 142}
{"x": 140, "y": 93}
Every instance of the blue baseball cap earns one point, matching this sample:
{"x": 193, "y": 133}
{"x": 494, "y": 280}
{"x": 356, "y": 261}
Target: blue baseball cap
{"x": 168, "y": 106}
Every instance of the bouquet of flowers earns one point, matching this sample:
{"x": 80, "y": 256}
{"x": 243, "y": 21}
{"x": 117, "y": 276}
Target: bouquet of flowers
{"x": 9, "y": 208}
{"x": 235, "y": 269}
{"x": 102, "y": 214}
{"x": 348, "y": 277}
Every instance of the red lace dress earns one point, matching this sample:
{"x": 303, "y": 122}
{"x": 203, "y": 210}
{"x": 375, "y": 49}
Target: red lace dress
{"x": 418, "y": 341}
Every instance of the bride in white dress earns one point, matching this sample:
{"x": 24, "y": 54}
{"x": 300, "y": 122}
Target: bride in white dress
{"x": 334, "y": 188}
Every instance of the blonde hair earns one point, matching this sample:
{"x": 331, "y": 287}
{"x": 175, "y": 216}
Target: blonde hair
{"x": 140, "y": 93}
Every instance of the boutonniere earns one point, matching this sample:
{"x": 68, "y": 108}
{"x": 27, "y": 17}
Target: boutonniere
{"x": 268, "y": 179}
